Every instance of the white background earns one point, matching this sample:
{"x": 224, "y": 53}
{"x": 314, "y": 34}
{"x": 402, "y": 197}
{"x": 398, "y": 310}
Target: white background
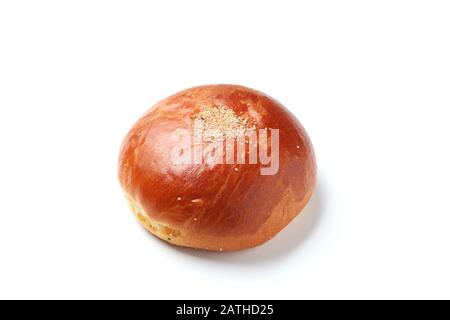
{"x": 370, "y": 81}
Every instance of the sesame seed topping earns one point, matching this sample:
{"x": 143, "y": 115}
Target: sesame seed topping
{"x": 219, "y": 123}
{"x": 179, "y": 198}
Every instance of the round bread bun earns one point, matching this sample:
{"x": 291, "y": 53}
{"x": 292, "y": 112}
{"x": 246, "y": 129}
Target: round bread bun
{"x": 181, "y": 192}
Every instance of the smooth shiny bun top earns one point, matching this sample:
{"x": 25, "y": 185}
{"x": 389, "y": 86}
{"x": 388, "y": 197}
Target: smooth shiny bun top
{"x": 217, "y": 167}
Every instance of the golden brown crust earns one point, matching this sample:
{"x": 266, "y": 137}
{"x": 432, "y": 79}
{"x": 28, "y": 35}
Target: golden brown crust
{"x": 220, "y": 206}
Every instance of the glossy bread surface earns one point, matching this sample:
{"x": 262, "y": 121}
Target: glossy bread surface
{"x": 215, "y": 206}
